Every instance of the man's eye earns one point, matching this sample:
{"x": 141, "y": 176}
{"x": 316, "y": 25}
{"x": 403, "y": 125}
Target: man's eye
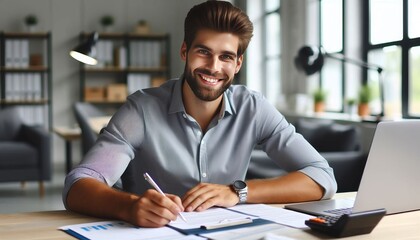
{"x": 205, "y": 52}
{"x": 227, "y": 57}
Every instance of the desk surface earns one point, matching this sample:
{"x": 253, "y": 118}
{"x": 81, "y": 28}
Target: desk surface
{"x": 97, "y": 123}
{"x": 43, "y": 225}
{"x": 68, "y": 134}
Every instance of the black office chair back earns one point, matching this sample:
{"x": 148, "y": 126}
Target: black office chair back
{"x": 83, "y": 111}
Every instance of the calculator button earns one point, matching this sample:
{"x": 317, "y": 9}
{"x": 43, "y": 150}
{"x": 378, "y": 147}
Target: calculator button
{"x": 318, "y": 220}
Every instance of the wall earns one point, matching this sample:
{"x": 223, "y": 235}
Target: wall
{"x": 66, "y": 19}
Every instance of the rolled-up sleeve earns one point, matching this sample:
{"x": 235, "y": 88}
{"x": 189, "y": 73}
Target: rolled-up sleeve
{"x": 107, "y": 160}
{"x": 291, "y": 151}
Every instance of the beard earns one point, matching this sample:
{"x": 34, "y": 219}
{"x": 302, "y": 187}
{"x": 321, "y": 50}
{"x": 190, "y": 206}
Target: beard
{"x": 204, "y": 93}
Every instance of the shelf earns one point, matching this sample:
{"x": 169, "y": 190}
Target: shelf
{"x": 130, "y": 36}
{"x": 104, "y": 102}
{"x": 28, "y": 69}
{"x": 134, "y": 36}
{"x": 145, "y": 69}
{"x": 129, "y": 69}
{"x": 26, "y": 74}
{"x": 24, "y": 102}
{"x": 106, "y": 35}
{"x": 133, "y": 61}
{"x": 40, "y": 35}
{"x": 105, "y": 70}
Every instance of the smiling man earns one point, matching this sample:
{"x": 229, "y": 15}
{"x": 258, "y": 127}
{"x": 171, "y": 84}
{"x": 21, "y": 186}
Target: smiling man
{"x": 194, "y": 135}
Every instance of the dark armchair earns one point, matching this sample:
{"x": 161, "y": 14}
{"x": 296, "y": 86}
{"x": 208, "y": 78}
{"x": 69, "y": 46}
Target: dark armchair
{"x": 339, "y": 144}
{"x": 83, "y": 111}
{"x": 25, "y": 151}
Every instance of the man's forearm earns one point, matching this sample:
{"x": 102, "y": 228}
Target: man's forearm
{"x": 293, "y": 187}
{"x": 88, "y": 196}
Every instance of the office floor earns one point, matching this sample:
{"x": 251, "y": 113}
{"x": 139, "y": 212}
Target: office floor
{"x": 14, "y": 198}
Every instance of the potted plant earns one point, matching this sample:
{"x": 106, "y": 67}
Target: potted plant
{"x": 142, "y": 27}
{"x": 31, "y": 21}
{"x": 319, "y": 100}
{"x": 107, "y": 21}
{"x": 351, "y": 106}
{"x": 365, "y": 96}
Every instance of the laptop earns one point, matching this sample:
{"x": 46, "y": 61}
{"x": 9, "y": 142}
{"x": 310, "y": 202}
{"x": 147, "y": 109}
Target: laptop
{"x": 390, "y": 178}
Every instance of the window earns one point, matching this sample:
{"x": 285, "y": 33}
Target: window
{"x": 263, "y": 54}
{"x": 331, "y": 39}
{"x": 414, "y": 83}
{"x": 394, "y": 43}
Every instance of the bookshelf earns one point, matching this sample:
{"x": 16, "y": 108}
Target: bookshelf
{"x": 26, "y": 76}
{"x": 127, "y": 62}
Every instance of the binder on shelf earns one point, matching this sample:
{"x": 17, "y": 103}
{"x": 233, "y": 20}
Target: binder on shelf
{"x": 134, "y": 50}
{"x": 16, "y": 53}
{"x": 120, "y": 57}
{"x": 15, "y": 87}
{"x": 100, "y": 54}
{"x": 9, "y": 61}
{"x": 8, "y": 87}
{"x": 24, "y": 53}
{"x": 37, "y": 86}
{"x": 137, "y": 81}
{"x": 108, "y": 59}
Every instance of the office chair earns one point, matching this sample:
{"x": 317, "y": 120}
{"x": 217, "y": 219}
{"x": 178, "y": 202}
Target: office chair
{"x": 83, "y": 111}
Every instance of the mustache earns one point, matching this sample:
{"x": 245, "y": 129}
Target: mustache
{"x": 209, "y": 73}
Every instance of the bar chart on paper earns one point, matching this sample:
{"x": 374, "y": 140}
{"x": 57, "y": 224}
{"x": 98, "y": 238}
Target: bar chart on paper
{"x": 120, "y": 230}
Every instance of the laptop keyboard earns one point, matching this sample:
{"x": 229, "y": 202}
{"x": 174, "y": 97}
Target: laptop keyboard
{"x": 340, "y": 211}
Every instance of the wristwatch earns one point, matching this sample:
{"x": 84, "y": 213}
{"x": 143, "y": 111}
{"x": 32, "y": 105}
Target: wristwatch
{"x": 241, "y": 189}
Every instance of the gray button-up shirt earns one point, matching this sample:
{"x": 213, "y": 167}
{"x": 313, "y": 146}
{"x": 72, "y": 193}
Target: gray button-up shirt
{"x": 153, "y": 130}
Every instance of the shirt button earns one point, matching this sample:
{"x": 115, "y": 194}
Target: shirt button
{"x": 204, "y": 174}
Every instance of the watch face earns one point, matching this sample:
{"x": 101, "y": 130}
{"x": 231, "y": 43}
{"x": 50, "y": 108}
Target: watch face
{"x": 239, "y": 184}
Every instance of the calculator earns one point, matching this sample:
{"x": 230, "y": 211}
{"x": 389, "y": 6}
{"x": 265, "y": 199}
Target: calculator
{"x": 347, "y": 224}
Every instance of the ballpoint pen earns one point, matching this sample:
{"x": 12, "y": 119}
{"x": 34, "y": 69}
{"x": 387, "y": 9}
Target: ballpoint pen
{"x": 150, "y": 180}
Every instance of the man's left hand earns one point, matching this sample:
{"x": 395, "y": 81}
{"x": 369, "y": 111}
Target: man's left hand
{"x": 206, "y": 195}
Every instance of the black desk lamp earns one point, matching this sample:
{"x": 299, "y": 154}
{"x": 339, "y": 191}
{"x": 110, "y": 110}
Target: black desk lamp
{"x": 86, "y": 51}
{"x": 311, "y": 60}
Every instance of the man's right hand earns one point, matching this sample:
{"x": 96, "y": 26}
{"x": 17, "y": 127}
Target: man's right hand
{"x": 153, "y": 209}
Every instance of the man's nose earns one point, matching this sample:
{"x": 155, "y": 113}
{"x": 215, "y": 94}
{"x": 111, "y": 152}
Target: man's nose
{"x": 215, "y": 63}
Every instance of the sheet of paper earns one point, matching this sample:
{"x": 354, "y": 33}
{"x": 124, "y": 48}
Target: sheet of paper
{"x": 123, "y": 231}
{"x": 249, "y": 233}
{"x": 209, "y": 217}
{"x": 275, "y": 214}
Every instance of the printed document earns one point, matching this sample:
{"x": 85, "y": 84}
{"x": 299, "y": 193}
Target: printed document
{"x": 123, "y": 231}
{"x": 276, "y": 214}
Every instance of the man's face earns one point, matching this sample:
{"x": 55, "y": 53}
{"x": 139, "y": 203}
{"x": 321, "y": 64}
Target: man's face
{"x": 211, "y": 63}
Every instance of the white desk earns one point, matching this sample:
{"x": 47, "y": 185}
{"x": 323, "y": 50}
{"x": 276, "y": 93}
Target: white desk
{"x": 43, "y": 225}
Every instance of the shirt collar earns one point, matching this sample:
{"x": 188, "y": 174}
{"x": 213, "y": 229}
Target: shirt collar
{"x": 177, "y": 105}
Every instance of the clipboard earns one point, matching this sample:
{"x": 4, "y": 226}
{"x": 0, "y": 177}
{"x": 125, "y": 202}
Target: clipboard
{"x": 223, "y": 226}
{"x": 227, "y": 223}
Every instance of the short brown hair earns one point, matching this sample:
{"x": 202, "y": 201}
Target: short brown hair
{"x": 220, "y": 16}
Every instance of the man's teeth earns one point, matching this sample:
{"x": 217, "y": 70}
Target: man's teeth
{"x": 211, "y": 80}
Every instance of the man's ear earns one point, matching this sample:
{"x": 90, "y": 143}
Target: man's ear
{"x": 183, "y": 51}
{"x": 239, "y": 63}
